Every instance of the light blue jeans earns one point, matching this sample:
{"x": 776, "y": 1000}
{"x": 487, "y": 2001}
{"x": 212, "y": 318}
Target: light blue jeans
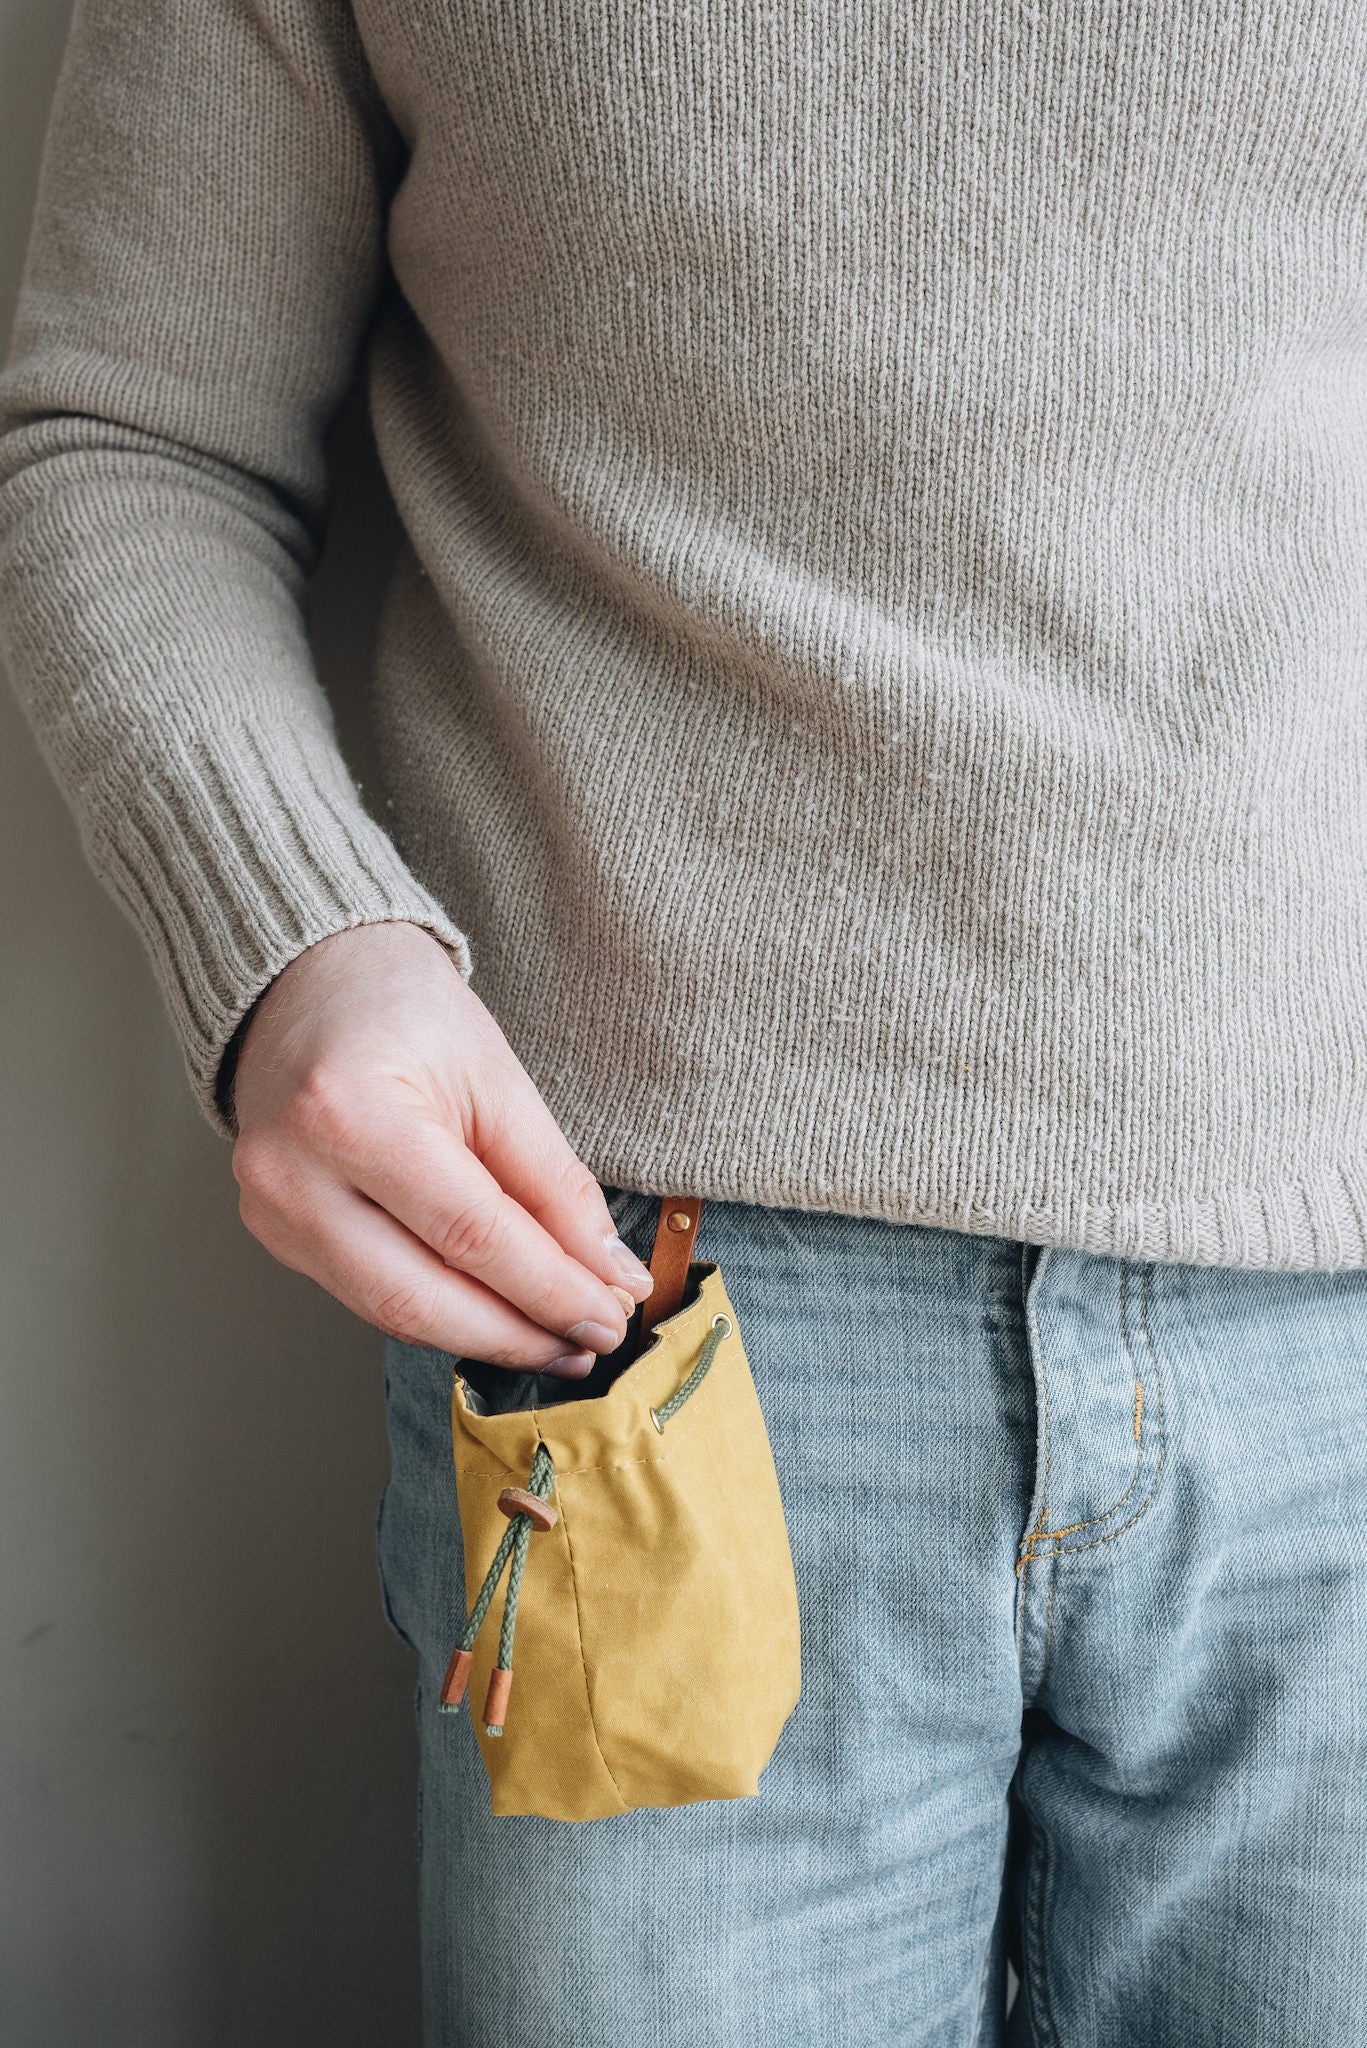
{"x": 1081, "y": 1550}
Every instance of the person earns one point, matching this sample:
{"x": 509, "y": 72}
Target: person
{"x": 873, "y": 710}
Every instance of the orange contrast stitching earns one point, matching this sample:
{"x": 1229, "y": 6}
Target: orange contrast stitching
{"x": 1043, "y": 1535}
{"x": 1069, "y": 1549}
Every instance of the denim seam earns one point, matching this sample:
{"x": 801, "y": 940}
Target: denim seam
{"x": 1093, "y": 1521}
{"x": 1025, "y": 1553}
{"x": 377, "y": 1534}
{"x": 977, "y": 2033}
{"x": 386, "y": 1602}
{"x": 583, "y": 1657}
{"x": 989, "y": 1953}
{"x": 1048, "y": 1626}
{"x": 1071, "y": 1549}
{"x": 419, "y": 1710}
{"x": 1048, "y": 1438}
{"x": 1034, "y": 1954}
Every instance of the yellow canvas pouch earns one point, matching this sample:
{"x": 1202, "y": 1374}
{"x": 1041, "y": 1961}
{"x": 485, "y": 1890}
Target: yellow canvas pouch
{"x": 632, "y": 1549}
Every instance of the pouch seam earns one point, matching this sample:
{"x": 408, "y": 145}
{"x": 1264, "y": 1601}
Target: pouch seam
{"x": 583, "y": 1658}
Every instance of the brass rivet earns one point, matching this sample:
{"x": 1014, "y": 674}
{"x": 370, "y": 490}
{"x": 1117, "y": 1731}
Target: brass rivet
{"x": 678, "y": 1219}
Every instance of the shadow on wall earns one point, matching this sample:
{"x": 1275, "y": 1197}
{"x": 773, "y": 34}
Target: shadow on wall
{"x": 207, "y": 1756}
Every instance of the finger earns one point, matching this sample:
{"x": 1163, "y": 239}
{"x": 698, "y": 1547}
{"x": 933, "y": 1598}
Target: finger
{"x": 382, "y": 1273}
{"x": 531, "y": 1159}
{"x": 428, "y": 1180}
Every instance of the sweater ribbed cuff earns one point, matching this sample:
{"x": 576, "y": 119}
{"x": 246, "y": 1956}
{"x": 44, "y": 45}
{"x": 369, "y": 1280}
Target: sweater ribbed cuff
{"x": 234, "y": 855}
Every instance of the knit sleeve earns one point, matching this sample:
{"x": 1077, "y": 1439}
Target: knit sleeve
{"x": 201, "y": 273}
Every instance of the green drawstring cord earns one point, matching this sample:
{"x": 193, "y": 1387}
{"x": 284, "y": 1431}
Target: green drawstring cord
{"x": 514, "y": 1543}
{"x": 721, "y": 1327}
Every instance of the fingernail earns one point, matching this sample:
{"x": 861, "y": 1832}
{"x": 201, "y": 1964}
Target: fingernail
{"x": 571, "y": 1365}
{"x": 628, "y": 1301}
{"x": 596, "y": 1334}
{"x": 627, "y": 1263}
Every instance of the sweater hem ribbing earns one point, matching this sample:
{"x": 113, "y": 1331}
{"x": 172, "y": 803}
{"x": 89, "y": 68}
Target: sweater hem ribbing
{"x": 1317, "y": 1225}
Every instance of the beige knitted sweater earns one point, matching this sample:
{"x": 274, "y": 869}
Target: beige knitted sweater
{"x": 875, "y": 689}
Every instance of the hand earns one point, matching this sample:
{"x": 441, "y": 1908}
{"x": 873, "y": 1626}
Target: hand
{"x": 394, "y": 1149}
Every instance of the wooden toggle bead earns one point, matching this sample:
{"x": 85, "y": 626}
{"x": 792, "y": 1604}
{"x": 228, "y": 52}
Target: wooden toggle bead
{"x": 457, "y": 1677}
{"x": 496, "y": 1700}
{"x": 515, "y": 1500}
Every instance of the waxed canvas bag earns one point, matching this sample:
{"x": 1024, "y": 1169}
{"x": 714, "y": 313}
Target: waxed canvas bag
{"x": 630, "y": 1548}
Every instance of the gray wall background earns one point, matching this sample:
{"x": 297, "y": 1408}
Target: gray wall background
{"x": 207, "y": 1752}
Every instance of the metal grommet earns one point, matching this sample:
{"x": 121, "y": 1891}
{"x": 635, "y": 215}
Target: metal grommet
{"x": 656, "y": 1420}
{"x": 719, "y": 1317}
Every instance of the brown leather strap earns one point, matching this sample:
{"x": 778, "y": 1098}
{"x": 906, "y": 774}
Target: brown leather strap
{"x": 669, "y": 1260}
